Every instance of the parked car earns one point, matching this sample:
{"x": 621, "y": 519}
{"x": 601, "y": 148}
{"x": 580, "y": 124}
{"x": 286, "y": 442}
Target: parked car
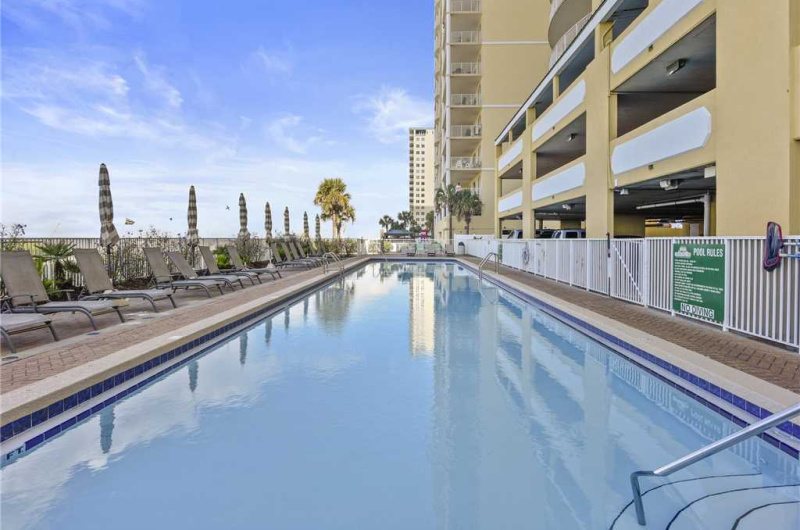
{"x": 571, "y": 233}
{"x": 544, "y": 233}
{"x": 512, "y": 234}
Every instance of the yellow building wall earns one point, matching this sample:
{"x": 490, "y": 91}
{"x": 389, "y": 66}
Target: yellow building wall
{"x": 755, "y": 152}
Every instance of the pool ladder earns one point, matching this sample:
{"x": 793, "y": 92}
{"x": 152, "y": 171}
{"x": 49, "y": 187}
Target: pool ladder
{"x": 711, "y": 449}
{"x": 336, "y": 259}
{"x": 485, "y": 260}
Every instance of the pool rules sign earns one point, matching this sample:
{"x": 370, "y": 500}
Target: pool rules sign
{"x": 698, "y": 280}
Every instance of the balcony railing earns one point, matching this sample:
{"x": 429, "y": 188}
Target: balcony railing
{"x": 465, "y": 162}
{"x": 465, "y": 100}
{"x": 465, "y": 37}
{"x": 465, "y": 68}
{"x": 567, "y": 38}
{"x": 465, "y": 6}
{"x": 465, "y": 131}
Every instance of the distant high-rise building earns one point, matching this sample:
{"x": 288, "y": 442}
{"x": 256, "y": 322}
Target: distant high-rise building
{"x": 420, "y": 173}
{"x": 488, "y": 54}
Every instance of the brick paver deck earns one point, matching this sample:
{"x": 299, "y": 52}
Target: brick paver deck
{"x": 757, "y": 358}
{"x": 77, "y": 347}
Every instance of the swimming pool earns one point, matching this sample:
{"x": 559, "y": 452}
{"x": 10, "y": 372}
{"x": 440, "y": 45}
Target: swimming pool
{"x": 407, "y": 395}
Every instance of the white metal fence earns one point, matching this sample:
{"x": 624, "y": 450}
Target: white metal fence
{"x": 640, "y": 271}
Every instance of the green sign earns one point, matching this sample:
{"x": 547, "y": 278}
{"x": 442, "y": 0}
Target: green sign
{"x": 698, "y": 280}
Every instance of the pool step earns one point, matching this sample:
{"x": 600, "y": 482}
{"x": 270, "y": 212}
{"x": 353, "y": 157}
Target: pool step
{"x": 785, "y": 514}
{"x": 714, "y": 502}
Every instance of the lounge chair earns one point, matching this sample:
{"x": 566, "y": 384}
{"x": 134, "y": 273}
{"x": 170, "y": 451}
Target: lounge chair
{"x": 294, "y": 255}
{"x": 99, "y": 286}
{"x": 162, "y": 277}
{"x": 412, "y": 251}
{"x": 214, "y": 270}
{"x": 238, "y": 264}
{"x": 288, "y": 262}
{"x": 431, "y": 251}
{"x": 13, "y": 323}
{"x": 188, "y": 272}
{"x": 448, "y": 250}
{"x": 26, "y": 292}
{"x": 302, "y": 253}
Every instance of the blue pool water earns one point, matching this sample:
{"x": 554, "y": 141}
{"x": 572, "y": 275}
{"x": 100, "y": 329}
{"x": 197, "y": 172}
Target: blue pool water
{"x": 407, "y": 396}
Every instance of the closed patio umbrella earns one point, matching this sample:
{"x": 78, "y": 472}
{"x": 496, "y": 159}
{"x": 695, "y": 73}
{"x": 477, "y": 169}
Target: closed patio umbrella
{"x": 108, "y": 233}
{"x": 305, "y": 226}
{"x": 286, "y": 222}
{"x": 317, "y": 228}
{"x": 267, "y": 222}
{"x": 243, "y": 232}
{"x": 192, "y": 238}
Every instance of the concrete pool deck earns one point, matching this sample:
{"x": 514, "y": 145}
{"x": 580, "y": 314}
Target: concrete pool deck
{"x": 765, "y": 374}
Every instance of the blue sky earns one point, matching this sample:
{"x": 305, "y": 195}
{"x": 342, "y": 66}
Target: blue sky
{"x": 256, "y": 96}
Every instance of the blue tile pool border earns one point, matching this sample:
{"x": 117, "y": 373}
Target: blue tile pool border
{"x": 63, "y": 406}
{"x": 631, "y": 352}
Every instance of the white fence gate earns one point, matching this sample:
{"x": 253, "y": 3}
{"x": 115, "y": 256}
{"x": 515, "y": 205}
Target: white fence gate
{"x": 640, "y": 271}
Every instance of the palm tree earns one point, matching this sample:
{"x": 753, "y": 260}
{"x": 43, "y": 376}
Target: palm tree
{"x": 406, "y": 219}
{"x": 469, "y": 204}
{"x": 429, "y": 218}
{"x": 334, "y": 200}
{"x": 59, "y": 254}
{"x": 386, "y": 222}
{"x": 445, "y": 201}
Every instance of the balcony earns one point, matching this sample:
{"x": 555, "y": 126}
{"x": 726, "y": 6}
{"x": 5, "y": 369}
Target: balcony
{"x": 510, "y": 201}
{"x": 566, "y": 39}
{"x": 465, "y": 100}
{"x": 465, "y": 162}
{"x": 466, "y": 131}
{"x": 465, "y": 6}
{"x": 564, "y": 14}
{"x": 471, "y": 68}
{"x": 465, "y": 37}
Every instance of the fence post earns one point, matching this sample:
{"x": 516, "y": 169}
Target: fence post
{"x": 671, "y": 280}
{"x": 571, "y": 259}
{"x": 588, "y": 264}
{"x": 645, "y": 273}
{"x": 726, "y": 321}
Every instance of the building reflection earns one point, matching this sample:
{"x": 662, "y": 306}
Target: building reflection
{"x": 422, "y": 309}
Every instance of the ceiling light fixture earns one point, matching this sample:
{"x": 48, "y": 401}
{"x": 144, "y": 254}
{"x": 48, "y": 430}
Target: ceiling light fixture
{"x": 567, "y": 207}
{"x": 675, "y": 66}
{"x": 669, "y": 185}
{"x": 623, "y": 191}
{"x": 571, "y": 137}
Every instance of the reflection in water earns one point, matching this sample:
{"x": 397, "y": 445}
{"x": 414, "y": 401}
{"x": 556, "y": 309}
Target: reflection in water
{"x": 267, "y": 331}
{"x": 243, "y": 349}
{"x": 194, "y": 368}
{"x": 415, "y": 403}
{"x": 106, "y": 429}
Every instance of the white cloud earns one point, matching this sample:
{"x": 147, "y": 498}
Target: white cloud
{"x": 79, "y": 14}
{"x": 286, "y": 132}
{"x": 274, "y": 61}
{"x": 156, "y": 82}
{"x": 392, "y": 111}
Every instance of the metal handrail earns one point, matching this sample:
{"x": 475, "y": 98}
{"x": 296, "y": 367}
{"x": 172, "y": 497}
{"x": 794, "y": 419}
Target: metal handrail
{"x": 486, "y": 259}
{"x": 335, "y": 258}
{"x": 711, "y": 449}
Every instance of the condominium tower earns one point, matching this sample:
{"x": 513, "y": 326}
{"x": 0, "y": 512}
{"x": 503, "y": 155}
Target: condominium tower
{"x": 658, "y": 118}
{"x": 488, "y": 54}
{"x": 420, "y": 173}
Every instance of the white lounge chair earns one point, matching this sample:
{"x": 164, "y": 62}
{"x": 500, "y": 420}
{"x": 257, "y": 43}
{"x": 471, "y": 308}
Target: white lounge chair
{"x": 14, "y": 323}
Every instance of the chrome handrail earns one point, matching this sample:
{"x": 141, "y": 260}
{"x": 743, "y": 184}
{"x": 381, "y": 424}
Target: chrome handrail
{"x": 711, "y": 449}
{"x": 486, "y": 259}
{"x": 336, "y": 259}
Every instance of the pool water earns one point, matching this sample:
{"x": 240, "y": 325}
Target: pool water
{"x": 405, "y": 396}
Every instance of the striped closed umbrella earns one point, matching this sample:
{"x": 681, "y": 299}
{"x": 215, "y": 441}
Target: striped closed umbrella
{"x": 243, "y": 232}
{"x": 286, "y": 221}
{"x": 267, "y": 221}
{"x": 317, "y": 228}
{"x": 192, "y": 238}
{"x": 305, "y": 225}
{"x": 108, "y": 233}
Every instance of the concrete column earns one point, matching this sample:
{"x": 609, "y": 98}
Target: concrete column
{"x": 600, "y": 112}
{"x": 528, "y": 229}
